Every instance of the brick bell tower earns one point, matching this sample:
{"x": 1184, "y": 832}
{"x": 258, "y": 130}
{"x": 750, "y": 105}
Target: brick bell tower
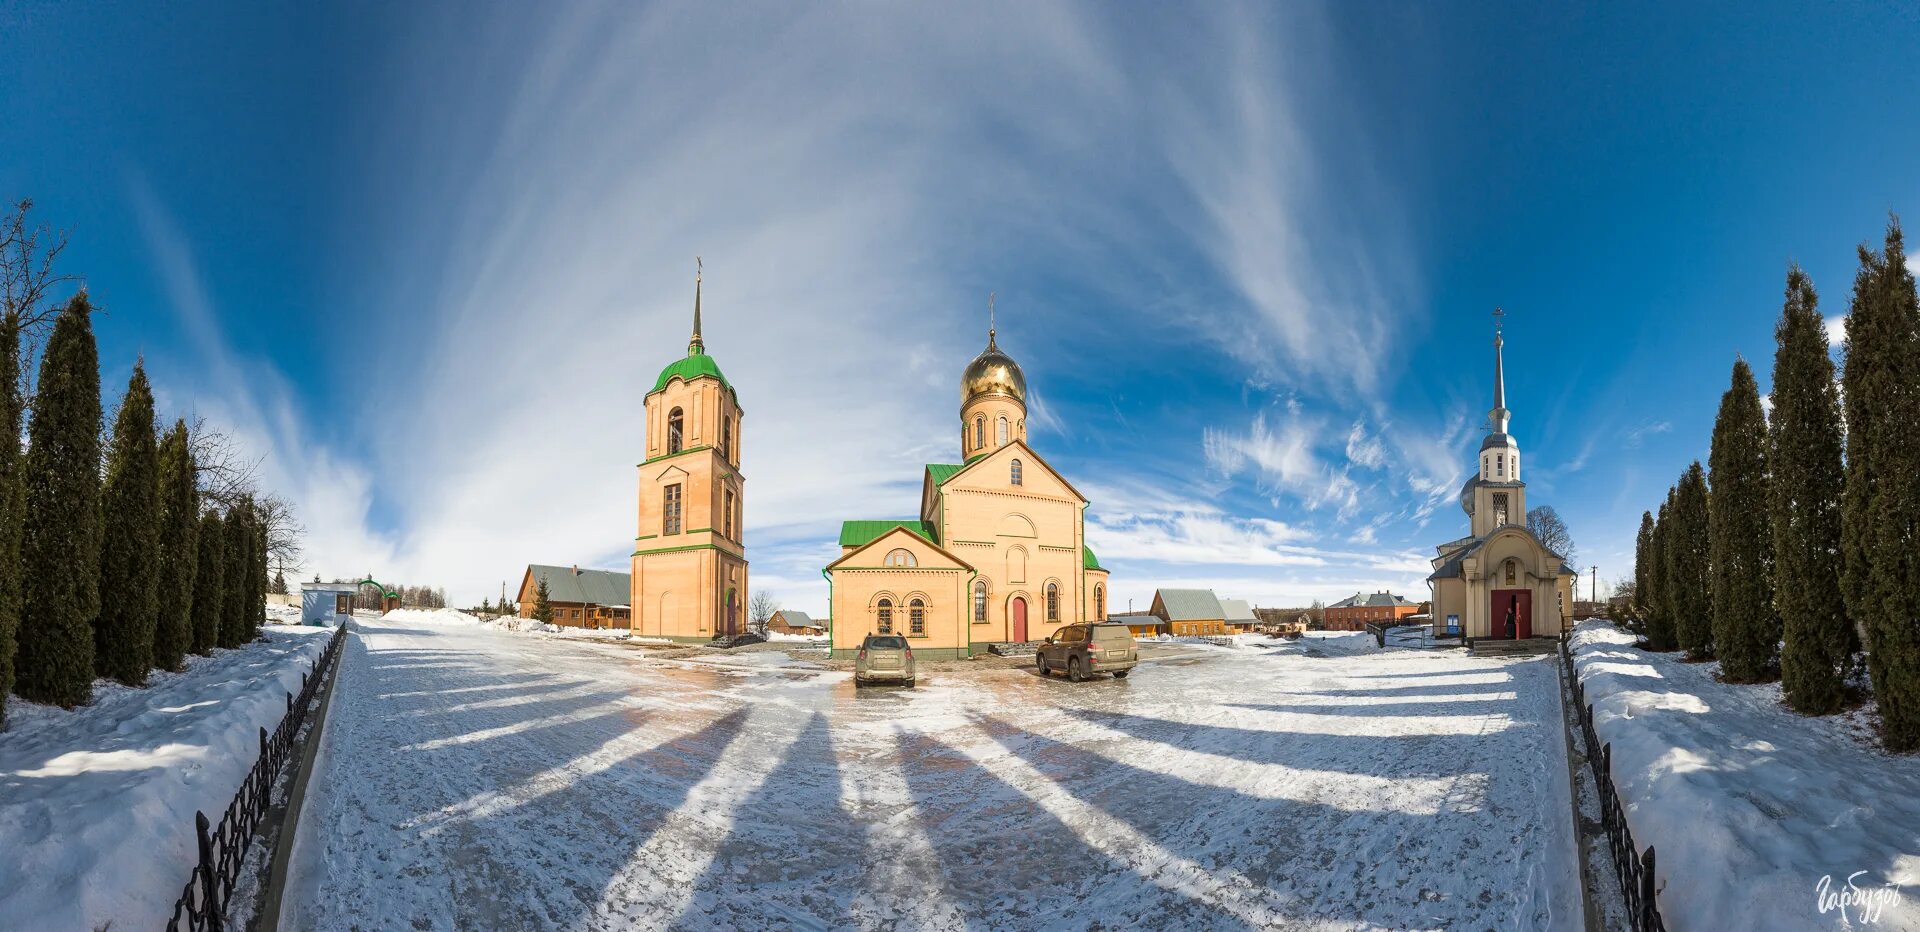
{"x": 689, "y": 562}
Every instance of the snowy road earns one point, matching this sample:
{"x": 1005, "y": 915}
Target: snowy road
{"x": 479, "y": 779}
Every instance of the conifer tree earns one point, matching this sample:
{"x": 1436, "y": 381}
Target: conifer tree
{"x": 1807, "y": 477}
{"x": 1660, "y": 631}
{"x": 279, "y": 586}
{"x": 12, "y": 499}
{"x": 542, "y": 606}
{"x": 60, "y": 526}
{"x": 179, "y": 549}
{"x": 209, "y": 583}
{"x": 233, "y": 592}
{"x": 1689, "y": 585}
{"x": 1642, "y": 567}
{"x": 257, "y": 572}
{"x": 1881, "y": 517}
{"x": 130, "y": 543}
{"x": 1746, "y": 631}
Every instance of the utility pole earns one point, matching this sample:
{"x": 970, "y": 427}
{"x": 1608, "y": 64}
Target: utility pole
{"x": 1594, "y": 587}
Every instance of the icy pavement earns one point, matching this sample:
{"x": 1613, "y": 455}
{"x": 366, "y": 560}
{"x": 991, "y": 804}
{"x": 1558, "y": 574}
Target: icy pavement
{"x": 474, "y": 778}
{"x": 96, "y": 804}
{"x": 1748, "y": 805}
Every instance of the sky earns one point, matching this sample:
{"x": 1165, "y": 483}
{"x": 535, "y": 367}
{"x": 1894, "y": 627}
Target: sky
{"x": 424, "y": 260}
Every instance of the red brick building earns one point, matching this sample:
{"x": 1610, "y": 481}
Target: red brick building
{"x": 1356, "y": 611}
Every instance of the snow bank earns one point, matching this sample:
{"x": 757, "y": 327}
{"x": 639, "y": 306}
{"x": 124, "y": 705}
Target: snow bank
{"x": 96, "y": 805}
{"x": 436, "y": 615}
{"x": 796, "y": 638}
{"x": 1751, "y": 807}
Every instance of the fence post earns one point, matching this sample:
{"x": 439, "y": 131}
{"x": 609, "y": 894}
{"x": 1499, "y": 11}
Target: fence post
{"x": 290, "y": 699}
{"x": 207, "y": 899}
{"x": 1648, "y": 911}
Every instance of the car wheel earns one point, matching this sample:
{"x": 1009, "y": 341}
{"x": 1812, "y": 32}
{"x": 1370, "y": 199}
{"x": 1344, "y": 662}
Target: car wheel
{"x": 1040, "y": 661}
{"x": 908, "y": 684}
{"x": 1121, "y": 674}
{"x": 1073, "y": 670}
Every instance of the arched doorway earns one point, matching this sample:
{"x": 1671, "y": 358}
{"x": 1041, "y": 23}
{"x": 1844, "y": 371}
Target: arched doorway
{"x": 1019, "y": 613}
{"x": 1520, "y": 603}
{"x": 733, "y": 613}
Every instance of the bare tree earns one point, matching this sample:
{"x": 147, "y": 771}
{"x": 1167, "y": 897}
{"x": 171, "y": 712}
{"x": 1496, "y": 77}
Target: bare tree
{"x": 27, "y": 277}
{"x": 284, "y": 531}
{"x": 761, "y": 610}
{"x": 226, "y": 474}
{"x": 1546, "y": 525}
{"x": 1317, "y": 615}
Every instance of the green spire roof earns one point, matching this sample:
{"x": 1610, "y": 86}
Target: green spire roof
{"x": 1088, "y": 560}
{"x": 690, "y": 368}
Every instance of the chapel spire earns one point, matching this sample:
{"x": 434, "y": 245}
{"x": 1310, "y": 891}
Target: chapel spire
{"x": 1497, "y": 418}
{"x": 990, "y": 344}
{"x": 696, "y": 346}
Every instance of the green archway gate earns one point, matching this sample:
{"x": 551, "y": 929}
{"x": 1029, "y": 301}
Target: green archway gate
{"x": 389, "y": 599}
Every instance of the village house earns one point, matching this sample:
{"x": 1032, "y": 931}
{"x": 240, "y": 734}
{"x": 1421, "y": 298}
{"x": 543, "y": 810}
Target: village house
{"x": 1186, "y": 612}
{"x": 579, "y": 598}
{"x": 789, "y": 621}
{"x": 1356, "y": 611}
{"x": 1238, "y": 615}
{"x": 1141, "y": 624}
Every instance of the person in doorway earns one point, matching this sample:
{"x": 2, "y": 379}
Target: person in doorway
{"x": 1511, "y": 632}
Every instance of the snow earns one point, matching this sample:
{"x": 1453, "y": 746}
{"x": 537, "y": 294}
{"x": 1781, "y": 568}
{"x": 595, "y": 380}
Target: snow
{"x": 1749, "y": 806}
{"x": 96, "y": 804}
{"x": 475, "y": 778}
{"x": 796, "y": 638}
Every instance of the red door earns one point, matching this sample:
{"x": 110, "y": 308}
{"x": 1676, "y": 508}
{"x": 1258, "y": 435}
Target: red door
{"x": 1019, "y": 621}
{"x": 1520, "y": 601}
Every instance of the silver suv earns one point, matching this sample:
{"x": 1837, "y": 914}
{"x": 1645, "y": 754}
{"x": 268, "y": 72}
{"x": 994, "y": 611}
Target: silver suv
{"x": 1083, "y": 650}
{"x": 883, "y": 658}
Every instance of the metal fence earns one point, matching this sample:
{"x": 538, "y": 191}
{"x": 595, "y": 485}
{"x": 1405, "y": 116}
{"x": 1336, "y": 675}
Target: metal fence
{"x": 203, "y": 904}
{"x": 1633, "y": 871}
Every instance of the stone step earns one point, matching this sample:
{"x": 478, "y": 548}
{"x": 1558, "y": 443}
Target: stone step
{"x": 1526, "y": 647}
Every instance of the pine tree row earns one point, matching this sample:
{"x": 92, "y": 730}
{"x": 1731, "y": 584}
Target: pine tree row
{"x": 1800, "y": 543}
{"x": 109, "y": 564}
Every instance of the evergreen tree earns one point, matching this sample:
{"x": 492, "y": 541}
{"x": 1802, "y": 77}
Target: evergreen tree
{"x": 257, "y": 571}
{"x": 1689, "y": 584}
{"x": 12, "y": 499}
{"x": 1660, "y": 631}
{"x": 130, "y": 545}
{"x": 233, "y": 591}
{"x": 1746, "y": 631}
{"x": 1642, "y": 568}
{"x": 60, "y": 526}
{"x": 179, "y": 549}
{"x": 542, "y": 607}
{"x": 1807, "y": 478}
{"x": 279, "y": 586}
{"x": 209, "y": 583}
{"x": 1881, "y": 517}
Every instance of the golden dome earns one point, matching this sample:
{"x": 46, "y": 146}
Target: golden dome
{"x": 993, "y": 372}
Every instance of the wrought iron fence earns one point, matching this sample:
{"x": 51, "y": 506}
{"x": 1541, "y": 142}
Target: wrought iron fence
{"x": 1634, "y": 871}
{"x": 203, "y": 903}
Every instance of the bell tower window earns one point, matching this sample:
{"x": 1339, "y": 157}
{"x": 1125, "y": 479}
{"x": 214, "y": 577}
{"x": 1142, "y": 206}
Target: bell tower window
{"x": 676, "y": 430}
{"x": 1499, "y": 509}
{"x": 670, "y": 510}
{"x": 1000, "y": 432}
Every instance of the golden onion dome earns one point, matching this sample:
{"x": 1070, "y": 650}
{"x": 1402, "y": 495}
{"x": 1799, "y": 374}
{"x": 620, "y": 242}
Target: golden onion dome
{"x": 993, "y": 372}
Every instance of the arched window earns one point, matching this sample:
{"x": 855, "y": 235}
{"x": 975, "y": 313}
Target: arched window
{"x": 1511, "y": 572}
{"x": 979, "y": 431}
{"x": 1053, "y": 601}
{"x": 916, "y": 617}
{"x": 886, "y": 616}
{"x": 1099, "y": 602}
{"x": 726, "y": 439}
{"x": 900, "y": 557}
{"x": 980, "y": 602}
{"x": 1017, "y": 565}
{"x": 1015, "y": 472}
{"x": 1000, "y": 431}
{"x": 676, "y": 430}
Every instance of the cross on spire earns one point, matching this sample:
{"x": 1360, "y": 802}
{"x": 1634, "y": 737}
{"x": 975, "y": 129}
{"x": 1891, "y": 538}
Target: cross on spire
{"x": 1499, "y": 414}
{"x": 696, "y": 346}
{"x": 990, "y": 328}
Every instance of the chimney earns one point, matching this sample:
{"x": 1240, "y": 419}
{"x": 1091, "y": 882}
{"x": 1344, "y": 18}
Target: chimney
{"x": 576, "y": 569}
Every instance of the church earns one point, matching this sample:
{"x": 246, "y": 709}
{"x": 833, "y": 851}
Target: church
{"x": 689, "y": 575}
{"x": 1499, "y": 582}
{"x": 998, "y": 553}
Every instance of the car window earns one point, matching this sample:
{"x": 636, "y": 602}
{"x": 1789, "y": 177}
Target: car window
{"x": 1075, "y": 634}
{"x": 1112, "y": 633}
{"x": 887, "y": 643}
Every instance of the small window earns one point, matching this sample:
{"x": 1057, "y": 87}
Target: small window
{"x": 979, "y": 431}
{"x": 670, "y": 510}
{"x": 1053, "y": 601}
{"x": 1014, "y": 474}
{"x": 886, "y": 616}
{"x": 1500, "y": 463}
{"x": 676, "y": 430}
{"x": 900, "y": 557}
{"x": 729, "y": 515}
{"x": 1000, "y": 432}
{"x": 1100, "y": 602}
{"x": 980, "y": 602}
{"x": 726, "y": 438}
{"x": 916, "y": 617}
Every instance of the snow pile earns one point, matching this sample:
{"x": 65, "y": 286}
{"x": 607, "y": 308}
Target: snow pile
{"x": 96, "y": 805}
{"x": 283, "y": 614}
{"x": 434, "y": 615}
{"x": 1753, "y": 810}
{"x": 796, "y": 638}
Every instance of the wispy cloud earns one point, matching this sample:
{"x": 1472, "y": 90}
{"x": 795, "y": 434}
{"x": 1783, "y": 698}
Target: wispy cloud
{"x": 1638, "y": 435}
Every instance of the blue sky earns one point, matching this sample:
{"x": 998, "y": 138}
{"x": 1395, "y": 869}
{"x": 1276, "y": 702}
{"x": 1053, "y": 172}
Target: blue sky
{"x": 1246, "y": 255}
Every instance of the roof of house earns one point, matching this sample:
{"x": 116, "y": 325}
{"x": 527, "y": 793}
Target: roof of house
{"x": 598, "y": 587}
{"x": 1087, "y": 560}
{"x": 796, "y": 619}
{"x": 862, "y": 533}
{"x": 1372, "y": 600}
{"x": 1133, "y": 618}
{"x": 941, "y": 472}
{"x": 1237, "y": 610}
{"x": 1190, "y": 604}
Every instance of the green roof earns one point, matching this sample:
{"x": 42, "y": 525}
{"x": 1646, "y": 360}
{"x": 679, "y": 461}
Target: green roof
{"x": 862, "y": 533}
{"x": 1088, "y": 560}
{"x": 690, "y": 368}
{"x": 943, "y": 471}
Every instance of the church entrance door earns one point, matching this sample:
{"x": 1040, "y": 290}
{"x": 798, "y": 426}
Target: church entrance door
{"x": 1019, "y": 620}
{"x": 1521, "y": 602}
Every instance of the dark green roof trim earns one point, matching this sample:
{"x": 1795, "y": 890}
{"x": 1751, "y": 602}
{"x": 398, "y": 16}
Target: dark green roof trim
{"x": 1088, "y": 561}
{"x": 862, "y": 533}
{"x": 668, "y": 456}
{"x": 695, "y": 366}
{"x": 977, "y": 456}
